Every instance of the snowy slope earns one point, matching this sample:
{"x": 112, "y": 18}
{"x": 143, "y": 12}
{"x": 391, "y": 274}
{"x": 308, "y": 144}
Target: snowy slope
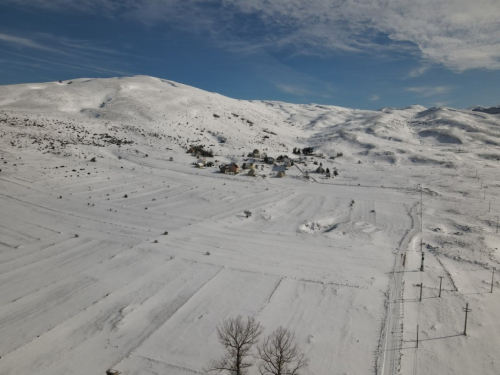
{"x": 90, "y": 280}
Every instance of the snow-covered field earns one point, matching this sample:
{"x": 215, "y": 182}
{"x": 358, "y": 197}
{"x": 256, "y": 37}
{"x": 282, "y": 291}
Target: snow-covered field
{"x": 89, "y": 279}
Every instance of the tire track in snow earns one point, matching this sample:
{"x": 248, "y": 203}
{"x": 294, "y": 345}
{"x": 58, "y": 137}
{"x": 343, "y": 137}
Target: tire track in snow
{"x": 389, "y": 346}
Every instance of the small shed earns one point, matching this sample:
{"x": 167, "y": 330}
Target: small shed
{"x": 224, "y": 168}
{"x": 251, "y": 172}
{"x": 320, "y": 169}
{"x": 281, "y": 174}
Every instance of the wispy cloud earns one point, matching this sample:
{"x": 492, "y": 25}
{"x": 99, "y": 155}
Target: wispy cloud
{"x": 57, "y": 44}
{"x": 292, "y": 89}
{"x": 78, "y": 55}
{"x": 459, "y": 34}
{"x": 25, "y": 43}
{"x": 426, "y": 91}
{"x": 374, "y": 98}
{"x": 417, "y": 72}
{"x": 71, "y": 65}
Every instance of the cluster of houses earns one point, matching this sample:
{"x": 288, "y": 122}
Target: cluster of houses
{"x": 202, "y": 163}
{"x": 251, "y": 166}
{"x": 280, "y": 164}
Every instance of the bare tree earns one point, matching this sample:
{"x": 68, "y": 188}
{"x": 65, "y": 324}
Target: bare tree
{"x": 280, "y": 354}
{"x": 238, "y": 339}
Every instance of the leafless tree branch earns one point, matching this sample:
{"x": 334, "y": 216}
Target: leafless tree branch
{"x": 280, "y": 354}
{"x": 237, "y": 338}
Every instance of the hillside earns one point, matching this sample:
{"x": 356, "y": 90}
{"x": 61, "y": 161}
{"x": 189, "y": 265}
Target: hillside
{"x": 116, "y": 251}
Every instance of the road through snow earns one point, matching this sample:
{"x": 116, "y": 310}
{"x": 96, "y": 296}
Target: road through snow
{"x": 392, "y": 331}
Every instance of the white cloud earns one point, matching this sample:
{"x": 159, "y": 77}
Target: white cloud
{"x": 65, "y": 52}
{"x": 417, "y": 72}
{"x": 24, "y": 42}
{"x": 426, "y": 91}
{"x": 292, "y": 89}
{"x": 57, "y": 44}
{"x": 374, "y": 98}
{"x": 460, "y": 34}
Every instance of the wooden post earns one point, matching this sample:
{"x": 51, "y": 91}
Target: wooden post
{"x": 421, "y": 286}
{"x": 492, "y": 276}
{"x": 422, "y": 265}
{"x": 467, "y": 310}
{"x": 440, "y": 282}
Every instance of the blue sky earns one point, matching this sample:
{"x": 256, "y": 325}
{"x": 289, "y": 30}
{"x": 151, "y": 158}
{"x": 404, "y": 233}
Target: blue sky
{"x": 352, "y": 53}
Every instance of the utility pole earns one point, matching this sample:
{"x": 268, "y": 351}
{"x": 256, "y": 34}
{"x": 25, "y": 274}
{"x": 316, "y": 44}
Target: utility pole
{"x": 492, "y": 276}
{"x": 440, "y": 283}
{"x": 466, "y": 310}
{"x": 404, "y": 259}
{"x": 421, "y": 286}
{"x": 421, "y": 229}
{"x": 421, "y": 216}
{"x": 417, "y": 336}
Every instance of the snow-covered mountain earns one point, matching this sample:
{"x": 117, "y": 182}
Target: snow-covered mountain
{"x": 155, "y": 112}
{"x": 131, "y": 261}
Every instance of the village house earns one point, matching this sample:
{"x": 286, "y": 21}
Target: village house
{"x": 224, "y": 168}
{"x": 234, "y": 168}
